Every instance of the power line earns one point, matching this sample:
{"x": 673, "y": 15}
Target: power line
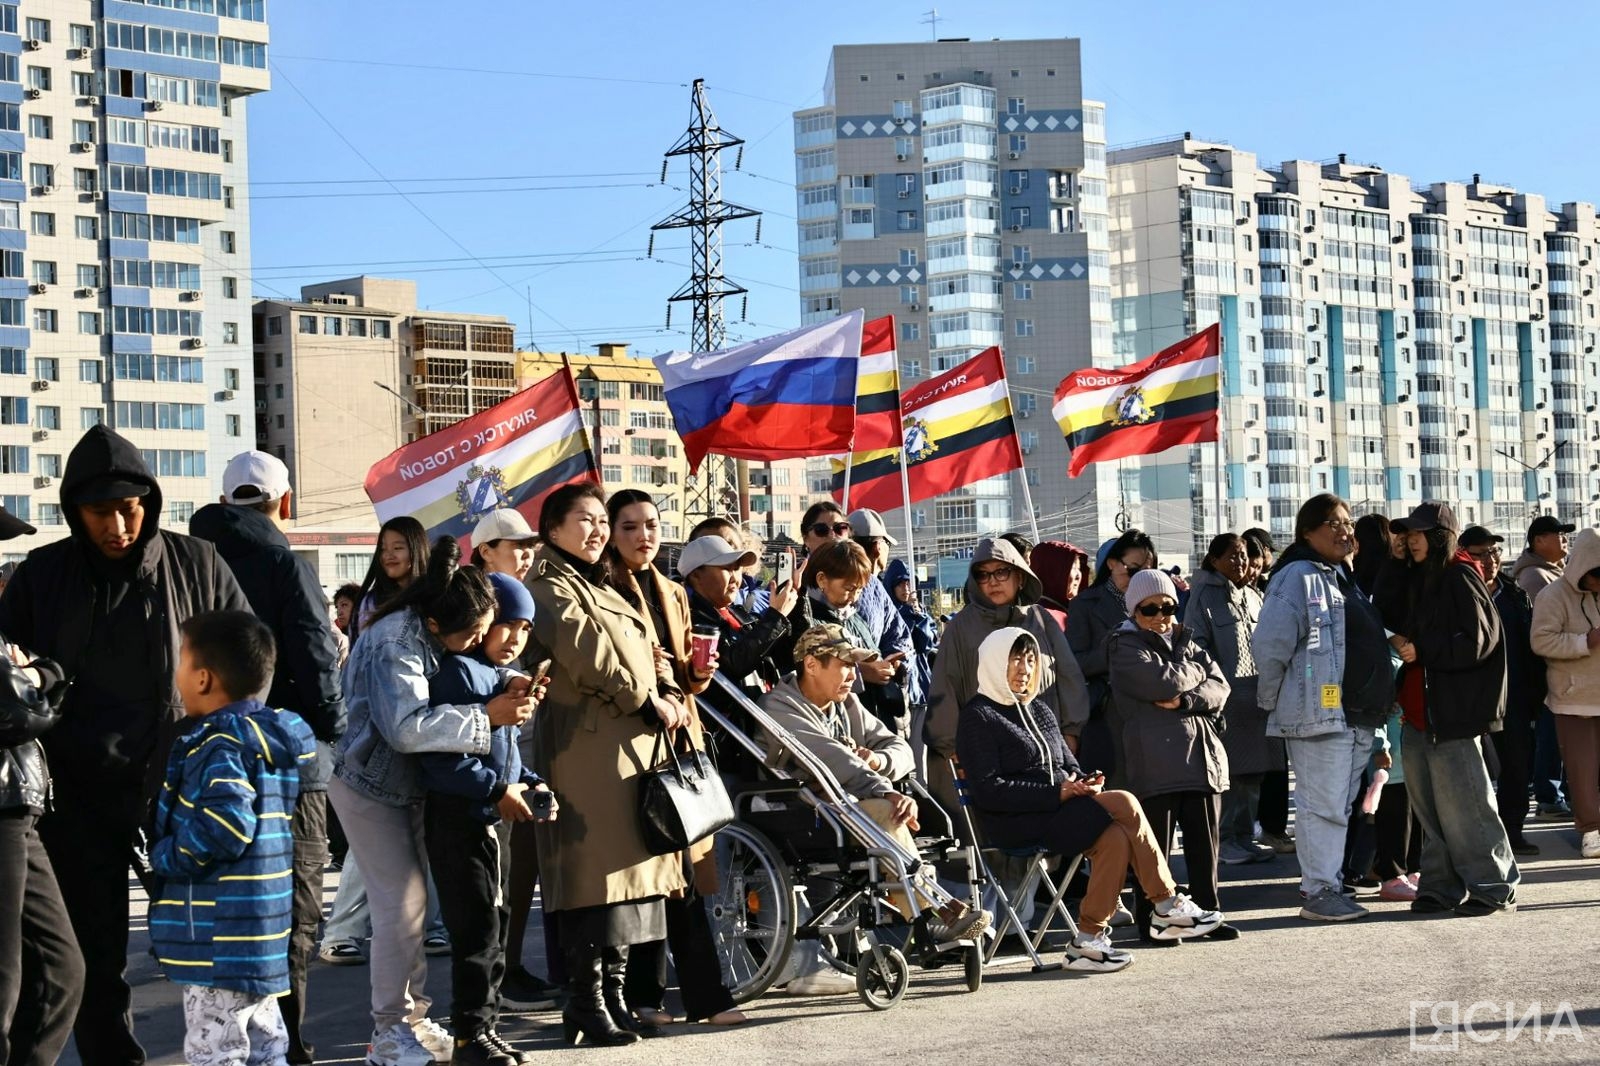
{"x": 346, "y": 61}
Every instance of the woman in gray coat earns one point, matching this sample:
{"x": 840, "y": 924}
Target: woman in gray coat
{"x": 1169, "y": 694}
{"x": 1221, "y": 617}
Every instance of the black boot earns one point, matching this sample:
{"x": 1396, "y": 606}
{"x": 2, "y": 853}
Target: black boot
{"x": 614, "y": 962}
{"x": 585, "y": 1016}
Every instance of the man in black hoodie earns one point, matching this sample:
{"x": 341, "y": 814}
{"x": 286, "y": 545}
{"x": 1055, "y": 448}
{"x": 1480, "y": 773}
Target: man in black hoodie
{"x": 106, "y": 603}
{"x": 284, "y": 593}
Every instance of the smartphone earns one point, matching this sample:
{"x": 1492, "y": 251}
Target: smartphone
{"x": 785, "y": 569}
{"x": 542, "y": 671}
{"x": 539, "y": 803}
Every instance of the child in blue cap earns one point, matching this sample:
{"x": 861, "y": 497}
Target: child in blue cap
{"x": 472, "y": 801}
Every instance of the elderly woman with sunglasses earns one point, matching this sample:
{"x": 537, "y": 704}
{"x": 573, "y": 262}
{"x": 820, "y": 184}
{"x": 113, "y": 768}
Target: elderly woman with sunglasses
{"x": 1170, "y": 694}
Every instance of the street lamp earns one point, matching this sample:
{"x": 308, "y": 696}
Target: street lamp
{"x": 416, "y": 410}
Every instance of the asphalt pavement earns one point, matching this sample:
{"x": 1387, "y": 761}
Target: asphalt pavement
{"x": 1392, "y": 987}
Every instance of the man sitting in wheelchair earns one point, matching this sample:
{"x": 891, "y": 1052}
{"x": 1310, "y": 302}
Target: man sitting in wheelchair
{"x": 1029, "y": 791}
{"x": 817, "y": 707}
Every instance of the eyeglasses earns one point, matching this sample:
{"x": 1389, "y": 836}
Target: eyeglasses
{"x": 995, "y": 576}
{"x": 1480, "y": 553}
{"x": 1150, "y": 610}
{"x": 1130, "y": 568}
{"x": 822, "y": 529}
{"x": 1339, "y": 525}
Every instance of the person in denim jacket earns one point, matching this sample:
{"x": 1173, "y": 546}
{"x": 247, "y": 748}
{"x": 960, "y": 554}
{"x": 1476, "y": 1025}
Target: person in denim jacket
{"x": 378, "y": 788}
{"x": 1299, "y": 647}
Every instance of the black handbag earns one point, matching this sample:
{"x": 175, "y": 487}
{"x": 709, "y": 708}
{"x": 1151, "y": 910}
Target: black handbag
{"x": 681, "y": 798}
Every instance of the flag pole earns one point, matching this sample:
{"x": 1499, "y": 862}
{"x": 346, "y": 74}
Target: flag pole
{"x": 849, "y": 461}
{"x": 905, "y": 493}
{"x": 1222, "y": 407}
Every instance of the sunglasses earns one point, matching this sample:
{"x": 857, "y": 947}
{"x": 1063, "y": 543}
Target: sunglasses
{"x": 822, "y": 529}
{"x": 991, "y": 577}
{"x": 1150, "y": 610}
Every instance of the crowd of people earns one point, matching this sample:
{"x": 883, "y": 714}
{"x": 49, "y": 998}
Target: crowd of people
{"x": 473, "y": 733}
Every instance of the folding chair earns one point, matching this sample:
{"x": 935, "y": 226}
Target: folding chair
{"x": 1038, "y": 873}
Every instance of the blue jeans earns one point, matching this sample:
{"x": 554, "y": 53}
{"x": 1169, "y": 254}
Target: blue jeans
{"x": 1327, "y": 778}
{"x": 1464, "y": 847}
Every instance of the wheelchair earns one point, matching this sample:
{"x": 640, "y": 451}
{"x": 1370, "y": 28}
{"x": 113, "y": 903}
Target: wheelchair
{"x": 791, "y": 839}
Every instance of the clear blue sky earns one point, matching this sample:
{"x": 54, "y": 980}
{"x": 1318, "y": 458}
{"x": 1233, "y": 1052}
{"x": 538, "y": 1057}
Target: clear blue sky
{"x": 549, "y": 97}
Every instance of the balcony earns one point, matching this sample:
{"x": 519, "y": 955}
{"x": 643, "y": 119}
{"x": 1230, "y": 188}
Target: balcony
{"x": 969, "y": 338}
{"x": 939, "y": 116}
{"x": 962, "y": 190}
{"x": 983, "y": 153}
{"x": 965, "y": 301}
{"x": 952, "y": 226}
{"x": 964, "y": 264}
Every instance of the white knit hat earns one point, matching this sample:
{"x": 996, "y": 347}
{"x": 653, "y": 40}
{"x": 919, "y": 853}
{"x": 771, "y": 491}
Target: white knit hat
{"x": 1147, "y": 583}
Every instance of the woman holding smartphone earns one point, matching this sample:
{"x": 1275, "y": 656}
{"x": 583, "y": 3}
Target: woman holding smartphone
{"x": 1028, "y": 791}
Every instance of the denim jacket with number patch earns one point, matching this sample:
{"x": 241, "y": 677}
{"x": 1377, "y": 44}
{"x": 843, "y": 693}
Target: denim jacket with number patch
{"x": 1299, "y": 648}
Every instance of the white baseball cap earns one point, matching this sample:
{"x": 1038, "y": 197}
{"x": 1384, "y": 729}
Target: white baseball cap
{"x": 258, "y": 471}
{"x": 504, "y": 524}
{"x": 711, "y": 551}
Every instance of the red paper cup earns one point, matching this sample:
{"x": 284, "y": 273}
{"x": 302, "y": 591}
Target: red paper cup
{"x": 702, "y": 645}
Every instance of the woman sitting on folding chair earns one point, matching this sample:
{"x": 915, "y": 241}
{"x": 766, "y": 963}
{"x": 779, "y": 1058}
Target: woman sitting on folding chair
{"x": 1028, "y": 791}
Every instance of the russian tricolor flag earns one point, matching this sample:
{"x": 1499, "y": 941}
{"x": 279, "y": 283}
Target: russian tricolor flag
{"x": 783, "y": 397}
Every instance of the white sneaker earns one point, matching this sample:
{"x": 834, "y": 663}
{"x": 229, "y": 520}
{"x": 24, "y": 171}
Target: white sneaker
{"x": 822, "y": 983}
{"x": 1183, "y": 920}
{"x": 436, "y": 1038}
{"x": 1093, "y": 953}
{"x": 1591, "y": 844}
{"x": 397, "y": 1046}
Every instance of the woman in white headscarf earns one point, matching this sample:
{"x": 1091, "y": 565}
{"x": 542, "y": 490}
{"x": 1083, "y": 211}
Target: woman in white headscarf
{"x": 1028, "y": 791}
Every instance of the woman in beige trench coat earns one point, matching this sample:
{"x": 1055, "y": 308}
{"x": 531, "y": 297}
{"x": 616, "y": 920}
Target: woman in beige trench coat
{"x": 635, "y": 540}
{"x": 607, "y": 698}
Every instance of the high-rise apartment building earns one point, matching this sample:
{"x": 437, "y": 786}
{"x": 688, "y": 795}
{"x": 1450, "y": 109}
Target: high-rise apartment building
{"x": 1386, "y": 341}
{"x": 961, "y": 187}
{"x": 124, "y": 240}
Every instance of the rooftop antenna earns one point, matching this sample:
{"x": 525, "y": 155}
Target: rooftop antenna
{"x": 931, "y": 18}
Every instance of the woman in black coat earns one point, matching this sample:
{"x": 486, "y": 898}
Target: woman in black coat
{"x": 1028, "y": 791}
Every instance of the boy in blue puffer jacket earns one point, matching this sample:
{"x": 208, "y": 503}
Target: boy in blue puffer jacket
{"x": 222, "y": 847}
{"x": 472, "y": 801}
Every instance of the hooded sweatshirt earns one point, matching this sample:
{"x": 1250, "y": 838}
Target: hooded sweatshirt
{"x": 1054, "y": 561}
{"x": 955, "y": 671}
{"x": 113, "y": 623}
{"x": 1563, "y": 616}
{"x": 1532, "y": 572}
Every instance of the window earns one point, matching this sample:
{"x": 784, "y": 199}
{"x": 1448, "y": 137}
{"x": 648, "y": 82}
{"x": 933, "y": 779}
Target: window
{"x": 230, "y": 378}
{"x": 89, "y": 417}
{"x": 1016, "y": 105}
{"x": 81, "y": 36}
{"x": 229, "y": 241}
{"x": 308, "y": 323}
{"x": 233, "y": 425}
{"x": 89, "y": 322}
{"x": 1022, "y": 290}
{"x": 14, "y": 411}
{"x": 43, "y": 224}
{"x": 905, "y": 221}
{"x": 908, "y": 257}
{"x": 44, "y": 271}
{"x": 39, "y": 78}
{"x": 91, "y": 371}
{"x": 37, "y": 29}
{"x": 86, "y": 227}
{"x": 84, "y": 179}
{"x": 358, "y": 326}
{"x": 380, "y": 329}
{"x": 46, "y": 368}
{"x": 230, "y": 291}
{"x": 17, "y": 505}
{"x": 41, "y": 127}
{"x": 1018, "y": 144}
{"x": 910, "y": 331}
{"x": 45, "y": 320}
{"x": 1024, "y": 327}
{"x": 275, "y": 326}
{"x": 230, "y": 333}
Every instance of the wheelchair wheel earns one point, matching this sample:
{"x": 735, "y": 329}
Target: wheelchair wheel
{"x": 972, "y": 964}
{"x": 753, "y": 911}
{"x": 882, "y": 976}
